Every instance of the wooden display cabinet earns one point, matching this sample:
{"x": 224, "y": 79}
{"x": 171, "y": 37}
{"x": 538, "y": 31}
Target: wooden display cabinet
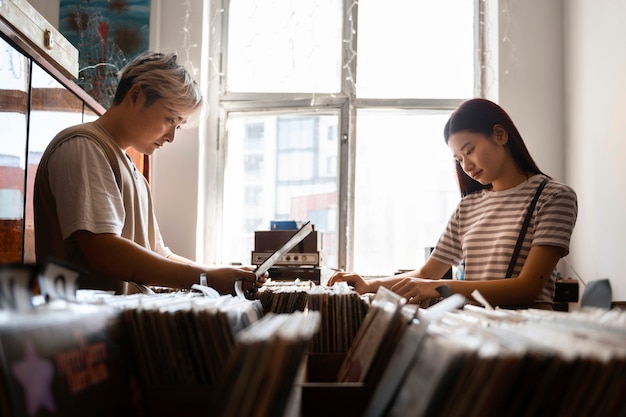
{"x": 38, "y": 98}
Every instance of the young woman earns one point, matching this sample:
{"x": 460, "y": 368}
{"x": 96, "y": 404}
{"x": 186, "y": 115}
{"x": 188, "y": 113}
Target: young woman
{"x": 498, "y": 180}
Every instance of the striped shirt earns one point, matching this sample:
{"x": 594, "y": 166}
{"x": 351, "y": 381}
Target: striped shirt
{"x": 485, "y": 227}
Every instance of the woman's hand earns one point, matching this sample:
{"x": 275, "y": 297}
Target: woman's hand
{"x": 417, "y": 289}
{"x": 353, "y": 279}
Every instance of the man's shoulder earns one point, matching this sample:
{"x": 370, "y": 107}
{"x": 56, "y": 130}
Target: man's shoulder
{"x": 80, "y": 141}
{"x": 85, "y": 134}
{"x": 82, "y": 129}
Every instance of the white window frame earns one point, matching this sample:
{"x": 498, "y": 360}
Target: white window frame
{"x": 221, "y": 102}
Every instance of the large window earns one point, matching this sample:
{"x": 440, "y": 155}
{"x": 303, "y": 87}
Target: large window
{"x": 333, "y": 111}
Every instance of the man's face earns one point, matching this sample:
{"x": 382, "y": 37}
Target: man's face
{"x": 154, "y": 125}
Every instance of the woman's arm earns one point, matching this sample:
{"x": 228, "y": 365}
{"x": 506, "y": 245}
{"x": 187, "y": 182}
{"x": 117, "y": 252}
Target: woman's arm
{"x": 524, "y": 289}
{"x": 432, "y": 269}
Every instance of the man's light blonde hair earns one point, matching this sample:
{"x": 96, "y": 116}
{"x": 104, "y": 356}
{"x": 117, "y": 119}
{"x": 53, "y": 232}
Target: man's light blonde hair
{"x": 160, "y": 77}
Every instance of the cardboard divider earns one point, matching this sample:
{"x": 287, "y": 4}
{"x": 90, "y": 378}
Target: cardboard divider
{"x": 316, "y": 393}
{"x": 178, "y": 400}
{"x": 322, "y": 395}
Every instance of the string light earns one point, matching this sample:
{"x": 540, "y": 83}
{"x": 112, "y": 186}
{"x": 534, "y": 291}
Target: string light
{"x": 215, "y": 70}
{"x": 187, "y": 45}
{"x": 507, "y": 12}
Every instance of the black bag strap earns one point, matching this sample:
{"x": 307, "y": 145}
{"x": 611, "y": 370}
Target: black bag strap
{"x": 522, "y": 233}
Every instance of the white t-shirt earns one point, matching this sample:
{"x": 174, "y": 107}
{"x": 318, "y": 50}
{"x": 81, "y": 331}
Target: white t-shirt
{"x": 86, "y": 182}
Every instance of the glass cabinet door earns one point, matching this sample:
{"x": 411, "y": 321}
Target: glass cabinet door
{"x": 14, "y": 83}
{"x": 53, "y": 108}
{"x": 34, "y": 107}
{"x": 37, "y": 101}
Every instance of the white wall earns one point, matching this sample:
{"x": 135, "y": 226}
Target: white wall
{"x": 561, "y": 74}
{"x": 530, "y": 83}
{"x": 562, "y": 77}
{"x": 176, "y": 26}
{"x": 596, "y": 130}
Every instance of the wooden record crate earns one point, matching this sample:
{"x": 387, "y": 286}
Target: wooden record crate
{"x": 322, "y": 395}
{"x": 178, "y": 400}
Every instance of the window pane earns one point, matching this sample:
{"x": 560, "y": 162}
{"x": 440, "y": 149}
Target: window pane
{"x": 53, "y": 109}
{"x": 279, "y": 167}
{"x": 405, "y": 188}
{"x": 418, "y": 49}
{"x": 14, "y": 68}
{"x": 284, "y": 46}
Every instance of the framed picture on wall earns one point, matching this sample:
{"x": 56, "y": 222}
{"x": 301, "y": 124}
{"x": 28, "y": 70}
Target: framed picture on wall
{"x": 107, "y": 34}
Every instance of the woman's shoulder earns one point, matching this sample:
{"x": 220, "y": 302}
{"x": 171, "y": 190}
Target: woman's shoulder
{"x": 556, "y": 187}
{"x": 558, "y": 197}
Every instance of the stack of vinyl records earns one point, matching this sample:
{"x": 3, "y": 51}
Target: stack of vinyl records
{"x": 181, "y": 338}
{"x": 284, "y": 296}
{"x": 65, "y": 359}
{"x": 481, "y": 362}
{"x": 377, "y": 335}
{"x": 180, "y": 343}
{"x": 342, "y": 310}
{"x": 261, "y": 373}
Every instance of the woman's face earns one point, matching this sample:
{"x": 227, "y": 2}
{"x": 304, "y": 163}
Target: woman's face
{"x": 480, "y": 156}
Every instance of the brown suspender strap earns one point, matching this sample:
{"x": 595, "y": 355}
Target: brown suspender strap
{"x": 522, "y": 234}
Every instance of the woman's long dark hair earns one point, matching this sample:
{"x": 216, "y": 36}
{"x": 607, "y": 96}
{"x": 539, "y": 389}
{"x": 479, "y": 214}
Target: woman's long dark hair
{"x": 479, "y": 115}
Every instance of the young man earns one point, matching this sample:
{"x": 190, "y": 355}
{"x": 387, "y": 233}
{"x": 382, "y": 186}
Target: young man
{"x": 94, "y": 209}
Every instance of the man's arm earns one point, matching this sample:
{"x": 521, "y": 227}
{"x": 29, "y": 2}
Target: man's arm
{"x": 119, "y": 258}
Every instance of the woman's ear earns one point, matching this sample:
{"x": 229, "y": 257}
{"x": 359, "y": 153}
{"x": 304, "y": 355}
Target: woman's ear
{"x": 500, "y": 134}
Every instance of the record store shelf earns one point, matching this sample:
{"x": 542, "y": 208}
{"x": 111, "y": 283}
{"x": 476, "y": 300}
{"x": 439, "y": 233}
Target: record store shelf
{"x": 303, "y": 350}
